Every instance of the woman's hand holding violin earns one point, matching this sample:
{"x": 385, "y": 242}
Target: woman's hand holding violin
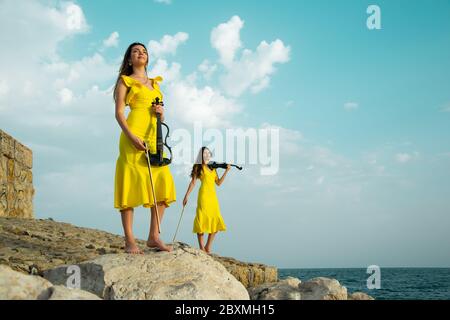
{"x": 158, "y": 108}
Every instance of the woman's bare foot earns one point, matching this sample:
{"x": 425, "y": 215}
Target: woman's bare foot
{"x": 131, "y": 247}
{"x": 207, "y": 250}
{"x": 157, "y": 243}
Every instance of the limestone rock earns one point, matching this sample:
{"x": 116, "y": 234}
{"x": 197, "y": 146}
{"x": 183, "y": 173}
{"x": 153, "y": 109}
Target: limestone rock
{"x": 359, "y": 296}
{"x": 18, "y": 286}
{"x": 249, "y": 274}
{"x": 184, "y": 273}
{"x": 322, "y": 288}
{"x": 286, "y": 289}
{"x": 64, "y": 293}
{"x": 35, "y": 245}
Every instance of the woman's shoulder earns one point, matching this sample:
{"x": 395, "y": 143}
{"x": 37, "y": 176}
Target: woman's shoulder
{"x": 129, "y": 81}
{"x": 155, "y": 81}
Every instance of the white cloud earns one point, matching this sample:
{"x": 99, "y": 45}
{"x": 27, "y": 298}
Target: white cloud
{"x": 38, "y": 29}
{"x": 167, "y": 45}
{"x": 112, "y": 40}
{"x": 163, "y": 1}
{"x": 206, "y": 105}
{"x": 169, "y": 73}
{"x": 65, "y": 95}
{"x": 253, "y": 69}
{"x": 402, "y": 157}
{"x": 289, "y": 103}
{"x": 225, "y": 38}
{"x": 349, "y": 106}
{"x": 207, "y": 69}
{"x": 290, "y": 139}
{"x": 78, "y": 75}
{"x": 34, "y": 27}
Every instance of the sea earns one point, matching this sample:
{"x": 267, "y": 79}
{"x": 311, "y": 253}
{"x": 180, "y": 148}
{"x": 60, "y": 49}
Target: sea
{"x": 395, "y": 283}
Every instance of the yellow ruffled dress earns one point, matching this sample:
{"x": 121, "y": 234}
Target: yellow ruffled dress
{"x": 208, "y": 218}
{"x": 132, "y": 186}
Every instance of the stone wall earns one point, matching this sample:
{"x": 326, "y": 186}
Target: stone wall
{"x": 16, "y": 178}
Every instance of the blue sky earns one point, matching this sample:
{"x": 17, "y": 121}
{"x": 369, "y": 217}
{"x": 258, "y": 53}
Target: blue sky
{"x": 363, "y": 116}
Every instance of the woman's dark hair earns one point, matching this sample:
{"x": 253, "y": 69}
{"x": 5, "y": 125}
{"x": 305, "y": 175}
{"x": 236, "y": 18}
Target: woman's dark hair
{"x": 125, "y": 68}
{"x": 197, "y": 167}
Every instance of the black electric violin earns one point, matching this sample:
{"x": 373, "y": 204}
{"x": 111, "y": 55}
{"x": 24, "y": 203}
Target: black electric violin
{"x": 223, "y": 165}
{"x": 157, "y": 159}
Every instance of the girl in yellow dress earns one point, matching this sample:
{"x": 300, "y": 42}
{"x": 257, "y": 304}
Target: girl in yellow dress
{"x": 208, "y": 218}
{"x": 132, "y": 186}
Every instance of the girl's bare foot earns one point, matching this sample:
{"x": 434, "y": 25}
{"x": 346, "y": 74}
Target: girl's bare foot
{"x": 208, "y": 250}
{"x": 157, "y": 243}
{"x": 131, "y": 247}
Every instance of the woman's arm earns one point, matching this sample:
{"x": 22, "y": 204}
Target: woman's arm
{"x": 191, "y": 186}
{"x": 120, "y": 108}
{"x": 120, "y": 117}
{"x": 219, "y": 181}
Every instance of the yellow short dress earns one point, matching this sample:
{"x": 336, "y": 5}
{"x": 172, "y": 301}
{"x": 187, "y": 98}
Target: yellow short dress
{"x": 132, "y": 186}
{"x": 208, "y": 218}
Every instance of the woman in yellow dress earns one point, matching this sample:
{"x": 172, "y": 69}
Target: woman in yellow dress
{"x": 207, "y": 218}
{"x": 132, "y": 186}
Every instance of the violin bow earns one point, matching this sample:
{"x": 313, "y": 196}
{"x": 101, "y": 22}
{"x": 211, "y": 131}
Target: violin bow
{"x": 147, "y": 151}
{"x": 179, "y": 221}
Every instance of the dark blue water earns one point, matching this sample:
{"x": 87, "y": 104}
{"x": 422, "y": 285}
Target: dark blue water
{"x": 396, "y": 283}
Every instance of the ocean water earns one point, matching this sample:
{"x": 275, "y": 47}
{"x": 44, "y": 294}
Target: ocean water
{"x": 396, "y": 283}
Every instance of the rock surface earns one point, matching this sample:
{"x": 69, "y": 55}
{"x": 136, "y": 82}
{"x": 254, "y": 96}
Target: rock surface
{"x": 184, "y": 273}
{"x": 320, "y": 288}
{"x": 36, "y": 245}
{"x": 249, "y": 274}
{"x": 286, "y": 289}
{"x": 18, "y": 286}
{"x": 359, "y": 296}
{"x": 47, "y": 247}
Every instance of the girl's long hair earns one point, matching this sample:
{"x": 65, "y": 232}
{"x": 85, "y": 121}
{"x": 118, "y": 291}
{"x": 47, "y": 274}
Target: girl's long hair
{"x": 197, "y": 167}
{"x": 125, "y": 67}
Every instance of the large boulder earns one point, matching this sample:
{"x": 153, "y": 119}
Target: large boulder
{"x": 18, "y": 286}
{"x": 286, "y": 289}
{"x": 63, "y": 293}
{"x": 359, "y": 296}
{"x": 184, "y": 273}
{"x": 322, "y": 288}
